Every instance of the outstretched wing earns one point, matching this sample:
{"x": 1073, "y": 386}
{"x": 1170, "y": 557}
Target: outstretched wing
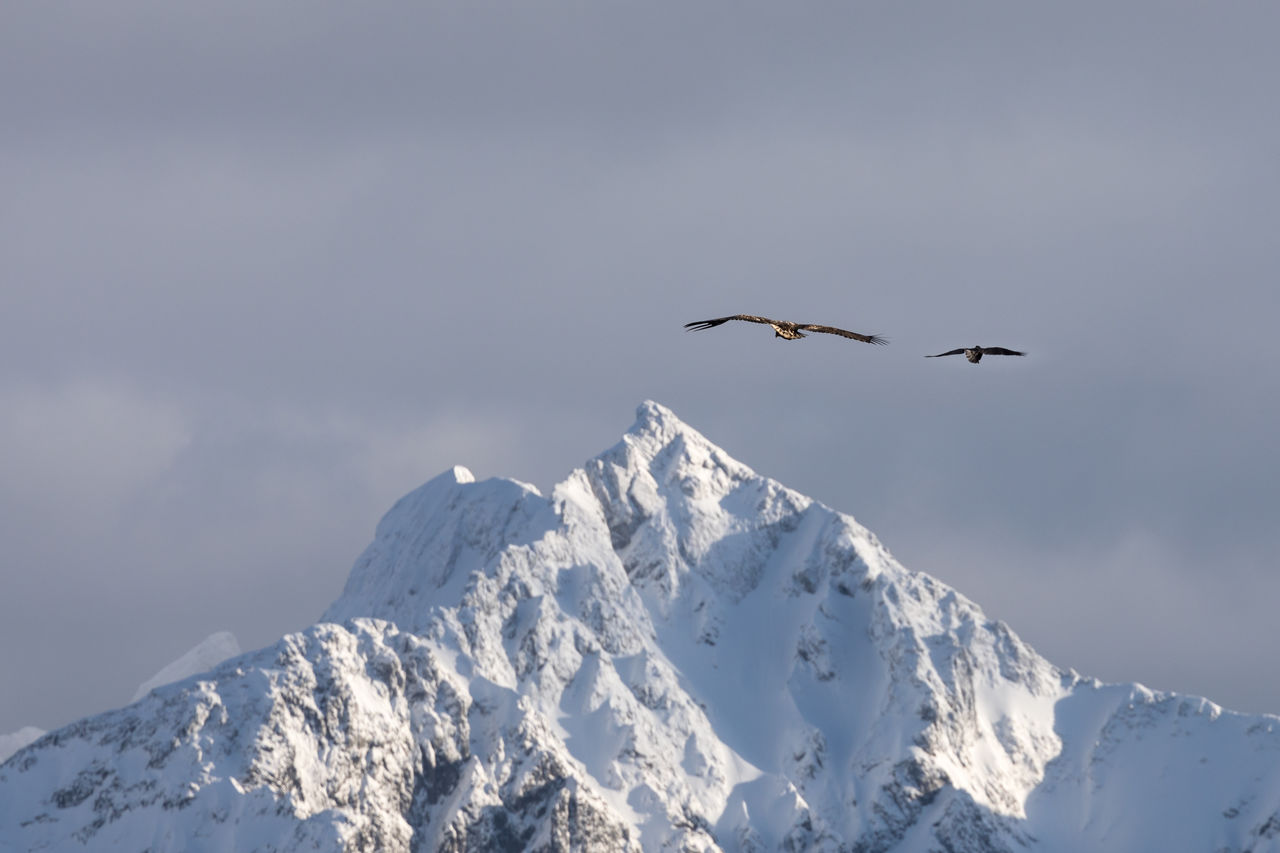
{"x": 1000, "y": 351}
{"x": 844, "y": 333}
{"x": 948, "y": 352}
{"x": 711, "y": 324}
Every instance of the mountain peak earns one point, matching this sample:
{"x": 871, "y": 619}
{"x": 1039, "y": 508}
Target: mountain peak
{"x": 655, "y": 422}
{"x": 668, "y": 652}
{"x": 653, "y": 416}
{"x": 669, "y": 450}
{"x": 658, "y": 425}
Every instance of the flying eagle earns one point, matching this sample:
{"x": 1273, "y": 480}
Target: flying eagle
{"x": 784, "y": 329}
{"x": 975, "y": 354}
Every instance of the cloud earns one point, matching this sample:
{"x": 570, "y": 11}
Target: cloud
{"x": 85, "y": 448}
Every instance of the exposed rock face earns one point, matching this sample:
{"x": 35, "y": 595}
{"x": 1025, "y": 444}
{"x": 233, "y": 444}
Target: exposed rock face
{"x": 670, "y": 652}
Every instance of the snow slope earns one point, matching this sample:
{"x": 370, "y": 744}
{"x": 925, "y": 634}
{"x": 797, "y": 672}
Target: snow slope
{"x": 668, "y": 652}
{"x": 206, "y": 654}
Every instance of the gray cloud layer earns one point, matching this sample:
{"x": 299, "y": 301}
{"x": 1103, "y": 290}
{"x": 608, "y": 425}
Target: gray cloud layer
{"x": 265, "y": 269}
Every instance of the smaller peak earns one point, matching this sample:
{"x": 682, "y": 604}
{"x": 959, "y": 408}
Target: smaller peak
{"x": 204, "y": 656}
{"x": 458, "y": 475}
{"x": 441, "y": 484}
{"x": 428, "y": 498}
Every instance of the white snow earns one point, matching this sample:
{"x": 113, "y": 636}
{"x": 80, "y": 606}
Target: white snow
{"x": 204, "y": 656}
{"x": 11, "y": 743}
{"x": 668, "y": 652}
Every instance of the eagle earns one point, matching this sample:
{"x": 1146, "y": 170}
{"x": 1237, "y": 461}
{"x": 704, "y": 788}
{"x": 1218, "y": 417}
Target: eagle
{"x": 975, "y": 354}
{"x": 787, "y": 330}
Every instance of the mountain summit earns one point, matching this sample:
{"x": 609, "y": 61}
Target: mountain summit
{"x": 668, "y": 652}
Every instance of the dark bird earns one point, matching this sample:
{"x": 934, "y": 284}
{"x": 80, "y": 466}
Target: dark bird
{"x": 975, "y": 354}
{"x": 783, "y": 329}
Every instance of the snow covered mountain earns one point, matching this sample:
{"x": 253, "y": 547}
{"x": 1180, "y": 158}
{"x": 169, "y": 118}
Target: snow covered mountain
{"x": 668, "y": 652}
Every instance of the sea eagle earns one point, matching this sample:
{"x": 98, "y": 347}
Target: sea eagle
{"x": 975, "y": 354}
{"x": 784, "y": 329}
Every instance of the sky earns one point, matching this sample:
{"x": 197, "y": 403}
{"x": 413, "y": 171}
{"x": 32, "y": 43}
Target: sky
{"x": 266, "y": 268}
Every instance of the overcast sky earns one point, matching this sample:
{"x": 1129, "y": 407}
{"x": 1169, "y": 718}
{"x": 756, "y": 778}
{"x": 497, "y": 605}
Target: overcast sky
{"x": 266, "y": 267}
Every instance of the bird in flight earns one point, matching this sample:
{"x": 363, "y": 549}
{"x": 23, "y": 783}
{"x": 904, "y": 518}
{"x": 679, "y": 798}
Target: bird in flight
{"x": 975, "y": 354}
{"x": 784, "y": 329}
